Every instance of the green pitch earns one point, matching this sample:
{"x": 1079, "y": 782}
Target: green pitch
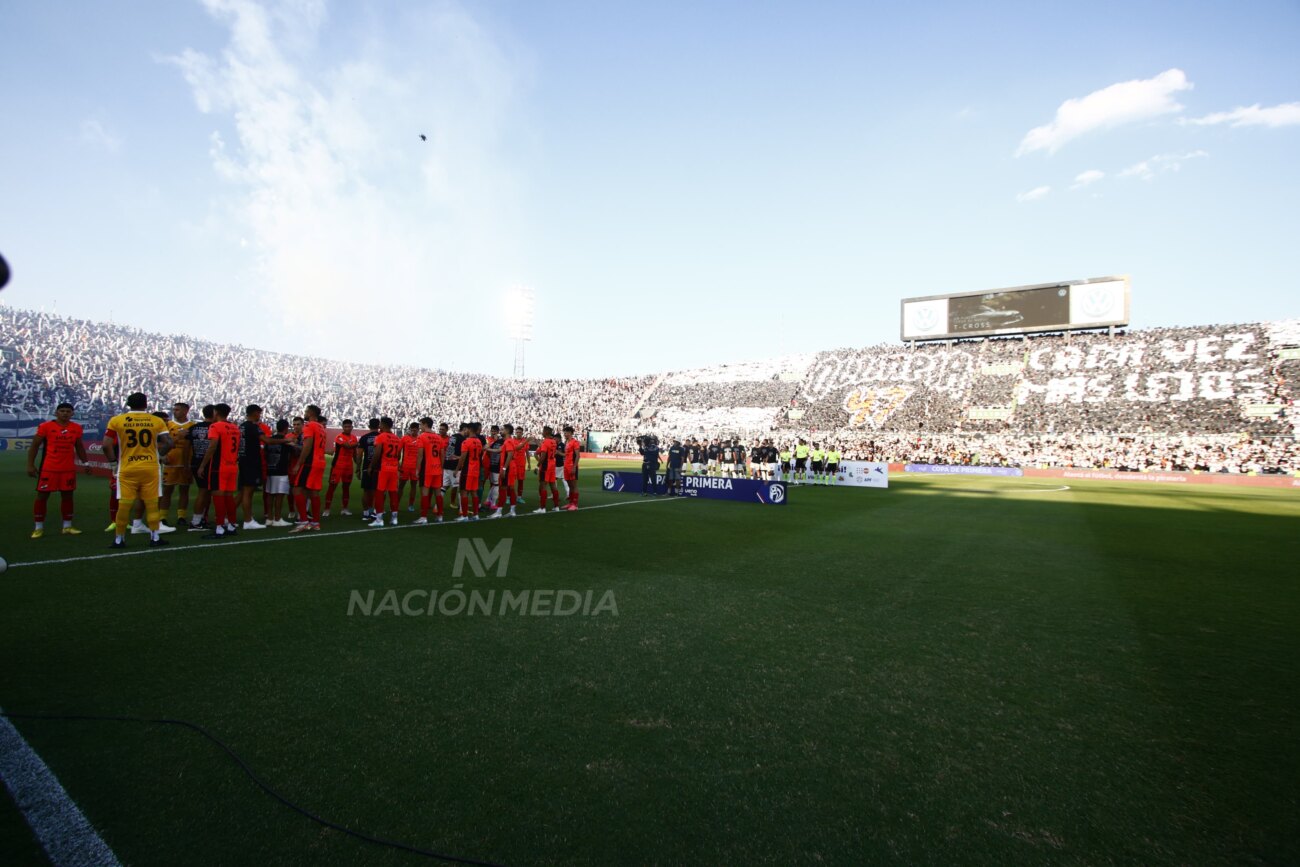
{"x": 969, "y": 671}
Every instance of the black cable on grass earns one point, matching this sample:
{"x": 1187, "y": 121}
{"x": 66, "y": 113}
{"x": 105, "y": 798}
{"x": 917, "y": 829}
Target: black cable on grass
{"x": 195, "y": 727}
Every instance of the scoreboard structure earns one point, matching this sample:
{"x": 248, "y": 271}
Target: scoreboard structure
{"x": 1098, "y": 302}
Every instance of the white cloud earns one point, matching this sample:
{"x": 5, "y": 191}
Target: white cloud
{"x": 1286, "y": 114}
{"x": 1033, "y": 195}
{"x": 95, "y": 134}
{"x": 357, "y": 227}
{"x": 1082, "y": 179}
{"x": 1147, "y": 169}
{"x": 1126, "y": 102}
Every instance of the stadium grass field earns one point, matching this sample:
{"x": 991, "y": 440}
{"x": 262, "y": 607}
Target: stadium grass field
{"x": 953, "y": 671}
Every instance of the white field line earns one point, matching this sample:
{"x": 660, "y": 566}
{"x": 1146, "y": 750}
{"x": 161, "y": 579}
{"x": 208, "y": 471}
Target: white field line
{"x": 64, "y": 832}
{"x": 311, "y": 535}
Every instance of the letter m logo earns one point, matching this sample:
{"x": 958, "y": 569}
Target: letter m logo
{"x": 480, "y": 559}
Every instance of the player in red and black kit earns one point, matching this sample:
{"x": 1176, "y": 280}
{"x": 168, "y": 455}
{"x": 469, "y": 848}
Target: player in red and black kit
{"x": 308, "y": 473}
{"x": 345, "y": 449}
{"x": 385, "y": 464}
{"x": 546, "y": 450}
{"x": 220, "y": 467}
{"x": 431, "y": 447}
{"x": 469, "y": 469}
{"x": 572, "y": 451}
{"x": 60, "y": 440}
{"x": 410, "y": 469}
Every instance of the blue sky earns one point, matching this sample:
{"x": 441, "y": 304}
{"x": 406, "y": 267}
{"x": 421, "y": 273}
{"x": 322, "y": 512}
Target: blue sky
{"x": 680, "y": 183}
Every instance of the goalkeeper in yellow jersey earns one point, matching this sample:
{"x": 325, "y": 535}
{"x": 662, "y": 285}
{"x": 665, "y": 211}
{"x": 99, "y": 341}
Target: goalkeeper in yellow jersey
{"x": 141, "y": 436}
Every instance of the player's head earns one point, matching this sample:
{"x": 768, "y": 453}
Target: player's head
{"x": 253, "y": 412}
{"x": 347, "y": 425}
{"x": 426, "y": 424}
{"x": 297, "y": 424}
{"x": 159, "y": 414}
{"x": 443, "y": 428}
{"x": 510, "y": 429}
{"x": 282, "y": 426}
{"x": 208, "y": 410}
{"x": 312, "y": 412}
{"x": 181, "y": 410}
{"x": 476, "y": 427}
{"x": 464, "y": 428}
{"x": 547, "y": 431}
{"x": 373, "y": 424}
{"x": 222, "y": 411}
{"x": 136, "y": 401}
{"x": 496, "y": 429}
{"x": 63, "y": 412}
{"x": 385, "y": 423}
{"x": 413, "y": 428}
{"x": 568, "y": 430}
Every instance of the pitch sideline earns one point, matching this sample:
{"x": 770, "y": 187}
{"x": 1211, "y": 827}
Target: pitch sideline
{"x": 323, "y": 535}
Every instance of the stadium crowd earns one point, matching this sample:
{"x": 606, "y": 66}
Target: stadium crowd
{"x": 1218, "y": 398}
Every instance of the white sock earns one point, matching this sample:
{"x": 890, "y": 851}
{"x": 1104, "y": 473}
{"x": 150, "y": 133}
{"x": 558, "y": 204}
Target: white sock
{"x": 40, "y": 525}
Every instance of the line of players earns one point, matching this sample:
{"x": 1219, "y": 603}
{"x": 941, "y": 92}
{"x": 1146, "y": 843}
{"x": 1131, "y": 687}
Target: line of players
{"x": 156, "y": 459}
{"x": 798, "y": 464}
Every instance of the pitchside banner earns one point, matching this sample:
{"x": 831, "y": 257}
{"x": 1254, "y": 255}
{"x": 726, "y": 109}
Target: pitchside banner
{"x": 705, "y": 487}
{"x": 863, "y": 474}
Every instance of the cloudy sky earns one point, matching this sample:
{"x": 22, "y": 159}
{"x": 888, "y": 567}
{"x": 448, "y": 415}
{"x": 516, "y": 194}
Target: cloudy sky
{"x": 680, "y": 183}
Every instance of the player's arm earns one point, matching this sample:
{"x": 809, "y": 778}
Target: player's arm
{"x": 374, "y": 459}
{"x": 38, "y": 443}
{"x": 308, "y": 447}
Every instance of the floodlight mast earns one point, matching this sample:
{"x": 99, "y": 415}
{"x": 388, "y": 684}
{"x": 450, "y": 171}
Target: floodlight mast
{"x": 521, "y": 302}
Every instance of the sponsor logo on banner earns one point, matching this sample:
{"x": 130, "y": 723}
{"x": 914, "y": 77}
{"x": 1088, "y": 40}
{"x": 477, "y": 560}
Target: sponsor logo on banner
{"x": 15, "y": 444}
{"x": 874, "y": 406}
{"x": 963, "y": 470}
{"x": 704, "y": 487}
{"x": 863, "y": 474}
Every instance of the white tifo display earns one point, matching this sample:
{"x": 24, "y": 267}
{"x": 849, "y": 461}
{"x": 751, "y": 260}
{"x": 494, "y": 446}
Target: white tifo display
{"x": 863, "y": 474}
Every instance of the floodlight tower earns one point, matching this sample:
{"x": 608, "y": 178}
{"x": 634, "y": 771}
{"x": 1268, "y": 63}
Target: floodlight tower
{"x": 520, "y": 303}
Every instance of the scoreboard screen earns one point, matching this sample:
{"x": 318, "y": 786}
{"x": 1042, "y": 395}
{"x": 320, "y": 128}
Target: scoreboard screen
{"x": 1094, "y": 303}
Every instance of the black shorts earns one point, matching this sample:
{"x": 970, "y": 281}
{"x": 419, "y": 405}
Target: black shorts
{"x": 785, "y": 466}
{"x": 832, "y": 468}
{"x": 816, "y": 466}
{"x": 203, "y": 479}
{"x": 251, "y": 476}
{"x": 299, "y": 479}
{"x": 801, "y": 463}
{"x": 369, "y": 481}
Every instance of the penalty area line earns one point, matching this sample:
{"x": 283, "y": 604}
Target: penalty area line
{"x": 64, "y": 832}
{"x": 318, "y": 535}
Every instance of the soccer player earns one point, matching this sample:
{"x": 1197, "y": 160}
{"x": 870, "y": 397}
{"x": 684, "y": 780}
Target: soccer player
{"x": 345, "y": 449}
{"x": 253, "y": 436}
{"x": 676, "y": 484}
{"x": 308, "y": 474}
{"x": 385, "y": 464}
{"x": 519, "y": 466}
{"x": 712, "y": 452}
{"x": 198, "y": 439}
{"x": 60, "y": 440}
{"x": 546, "y": 449}
{"x": 496, "y": 470}
{"x": 279, "y": 457}
{"x": 141, "y": 436}
{"x": 409, "y": 472}
{"x": 221, "y": 468}
{"x": 818, "y": 458}
{"x": 572, "y": 454}
{"x": 469, "y": 468}
{"x": 365, "y": 452}
{"x": 177, "y": 472}
{"x": 785, "y": 464}
{"x": 770, "y": 450}
{"x": 738, "y": 459}
{"x": 431, "y": 446}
